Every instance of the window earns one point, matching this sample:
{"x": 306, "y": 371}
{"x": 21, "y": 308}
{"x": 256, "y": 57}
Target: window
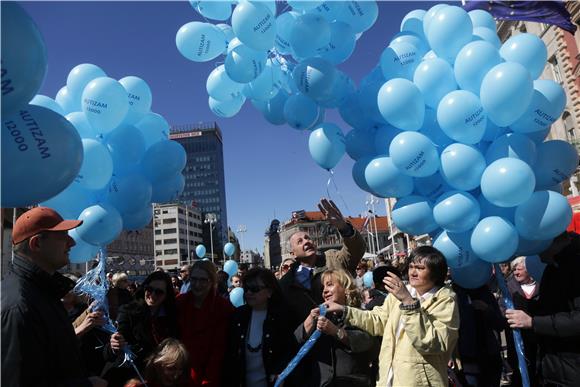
{"x": 170, "y": 241}
{"x": 169, "y": 221}
{"x": 158, "y": 253}
{"x": 170, "y": 251}
{"x": 158, "y": 242}
{"x": 157, "y": 232}
{"x": 170, "y": 231}
{"x": 555, "y": 67}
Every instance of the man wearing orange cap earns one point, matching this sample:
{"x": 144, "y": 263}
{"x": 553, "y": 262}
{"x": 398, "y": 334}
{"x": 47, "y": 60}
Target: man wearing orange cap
{"x": 39, "y": 345}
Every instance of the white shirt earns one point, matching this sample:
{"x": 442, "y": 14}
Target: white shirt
{"x": 255, "y": 372}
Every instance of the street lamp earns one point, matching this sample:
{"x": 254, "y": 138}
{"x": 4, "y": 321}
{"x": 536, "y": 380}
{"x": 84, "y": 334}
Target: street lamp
{"x": 210, "y": 219}
{"x": 371, "y": 207}
{"x": 241, "y": 229}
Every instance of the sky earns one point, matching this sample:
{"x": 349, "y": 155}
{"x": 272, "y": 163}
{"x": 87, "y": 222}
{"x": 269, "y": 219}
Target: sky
{"x": 268, "y": 170}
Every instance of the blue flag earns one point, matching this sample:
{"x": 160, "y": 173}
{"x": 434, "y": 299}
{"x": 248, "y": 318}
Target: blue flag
{"x": 548, "y": 12}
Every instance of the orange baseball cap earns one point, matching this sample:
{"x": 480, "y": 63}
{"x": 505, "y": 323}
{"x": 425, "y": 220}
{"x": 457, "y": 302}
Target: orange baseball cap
{"x": 40, "y": 219}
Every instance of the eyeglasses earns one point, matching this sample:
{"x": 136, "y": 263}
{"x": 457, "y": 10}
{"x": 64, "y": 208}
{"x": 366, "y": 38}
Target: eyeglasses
{"x": 156, "y": 291}
{"x": 254, "y": 288}
{"x": 201, "y": 280}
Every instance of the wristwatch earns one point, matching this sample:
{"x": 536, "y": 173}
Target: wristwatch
{"x": 413, "y": 306}
{"x": 341, "y": 334}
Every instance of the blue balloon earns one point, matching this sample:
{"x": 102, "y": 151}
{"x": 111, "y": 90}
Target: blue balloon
{"x": 284, "y": 25}
{"x": 105, "y": 104}
{"x": 472, "y": 64}
{"x": 154, "y": 129}
{"x": 368, "y": 279}
{"x": 102, "y": 224}
{"x": 216, "y": 10}
{"x": 244, "y": 64}
{"x": 326, "y": 145}
{"x": 384, "y": 135}
{"x": 314, "y": 78}
{"x": 545, "y": 215}
{"x": 47, "y": 102}
{"x": 456, "y": 211}
{"x": 139, "y": 96}
{"x": 167, "y": 189}
{"x": 557, "y": 161}
{"x": 508, "y": 182}
{"x": 449, "y": 31}
{"x": 417, "y": 40}
{"x": 329, "y": 10}
{"x": 528, "y": 50}
{"x": 352, "y": 112}
{"x": 341, "y": 45}
{"x": 273, "y": 110}
{"x": 82, "y": 251}
{"x": 432, "y": 130}
{"x": 78, "y": 79}
{"x": 414, "y": 215}
{"x": 226, "y": 108}
{"x": 67, "y": 101}
{"x": 462, "y": 117}
{"x": 487, "y": 35}
{"x": 126, "y": 145}
{"x": 506, "y": 91}
{"x": 342, "y": 87}
{"x": 23, "y": 58}
{"x": 163, "y": 159}
{"x": 399, "y": 60}
{"x": 413, "y": 22}
{"x": 535, "y": 267}
{"x": 513, "y": 145}
{"x": 71, "y": 201}
{"x": 254, "y": 24}
{"x": 529, "y": 247}
{"x": 543, "y": 110}
{"x": 431, "y": 187}
{"x": 300, "y": 112}
{"x": 493, "y": 132}
{"x": 414, "y": 154}
{"x": 237, "y": 297}
{"x": 137, "y": 220}
{"x": 430, "y": 15}
{"x": 82, "y": 125}
{"x": 488, "y": 209}
{"x": 361, "y": 15}
{"x": 385, "y": 179}
{"x": 269, "y": 82}
{"x": 200, "y": 42}
{"x": 228, "y": 33}
{"x": 221, "y": 87}
{"x": 229, "y": 250}
{"x": 538, "y": 137}
{"x": 200, "y": 251}
{"x": 435, "y": 79}
{"x": 472, "y": 276}
{"x": 481, "y": 18}
{"x": 41, "y": 155}
{"x": 402, "y": 104}
{"x": 456, "y": 248}
{"x": 358, "y": 173}
{"x": 129, "y": 193}
{"x": 368, "y": 99}
{"x": 360, "y": 143}
{"x": 462, "y": 166}
{"x": 309, "y": 35}
{"x": 494, "y": 239}
{"x": 230, "y": 266}
{"x": 97, "y": 167}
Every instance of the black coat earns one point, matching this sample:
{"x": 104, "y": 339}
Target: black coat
{"x": 556, "y": 317}
{"x": 278, "y": 345}
{"x": 39, "y": 345}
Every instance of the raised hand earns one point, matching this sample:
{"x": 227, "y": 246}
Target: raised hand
{"x": 332, "y": 214}
{"x": 397, "y": 288}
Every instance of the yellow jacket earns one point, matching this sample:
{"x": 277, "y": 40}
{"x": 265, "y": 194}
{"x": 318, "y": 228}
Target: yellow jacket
{"x": 428, "y": 337}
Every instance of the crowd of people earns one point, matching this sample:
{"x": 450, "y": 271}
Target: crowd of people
{"x": 413, "y": 327}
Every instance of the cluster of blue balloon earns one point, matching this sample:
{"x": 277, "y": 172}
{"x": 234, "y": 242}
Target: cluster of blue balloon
{"x": 450, "y": 122}
{"x": 96, "y": 152}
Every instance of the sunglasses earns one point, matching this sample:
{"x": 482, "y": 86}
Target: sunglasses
{"x": 156, "y": 291}
{"x": 254, "y": 288}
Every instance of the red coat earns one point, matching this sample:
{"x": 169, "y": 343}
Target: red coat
{"x": 204, "y": 333}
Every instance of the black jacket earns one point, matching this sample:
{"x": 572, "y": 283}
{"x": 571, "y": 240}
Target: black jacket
{"x": 39, "y": 345}
{"x": 556, "y": 317}
{"x": 278, "y": 345}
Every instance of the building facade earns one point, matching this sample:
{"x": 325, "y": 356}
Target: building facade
{"x": 204, "y": 178}
{"x": 251, "y": 257}
{"x": 272, "y": 246}
{"x": 132, "y": 252}
{"x": 177, "y": 231}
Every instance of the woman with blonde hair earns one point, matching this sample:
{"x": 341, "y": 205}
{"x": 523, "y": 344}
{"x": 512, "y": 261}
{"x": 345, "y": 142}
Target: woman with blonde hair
{"x": 343, "y": 352}
{"x": 203, "y": 319}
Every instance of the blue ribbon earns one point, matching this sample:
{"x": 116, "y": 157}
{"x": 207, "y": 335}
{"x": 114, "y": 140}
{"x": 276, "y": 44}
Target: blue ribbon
{"x": 509, "y": 304}
{"x": 302, "y": 352}
{"x": 95, "y": 285}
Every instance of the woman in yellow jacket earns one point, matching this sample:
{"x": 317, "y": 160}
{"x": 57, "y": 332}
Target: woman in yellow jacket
{"x": 419, "y": 323}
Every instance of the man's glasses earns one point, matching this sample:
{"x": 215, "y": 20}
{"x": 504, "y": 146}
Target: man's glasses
{"x": 156, "y": 291}
{"x": 254, "y": 288}
{"x": 201, "y": 280}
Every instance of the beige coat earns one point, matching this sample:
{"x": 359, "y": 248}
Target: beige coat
{"x": 428, "y": 337}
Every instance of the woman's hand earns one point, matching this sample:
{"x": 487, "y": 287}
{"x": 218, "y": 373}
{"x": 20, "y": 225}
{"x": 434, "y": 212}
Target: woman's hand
{"x": 93, "y": 319}
{"x": 397, "y": 288}
{"x": 117, "y": 342}
{"x": 333, "y": 307}
{"x": 326, "y": 326}
{"x": 310, "y": 322}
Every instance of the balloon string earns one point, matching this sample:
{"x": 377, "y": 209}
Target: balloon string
{"x": 94, "y": 284}
{"x": 333, "y": 181}
{"x": 507, "y": 300}
{"x": 302, "y": 352}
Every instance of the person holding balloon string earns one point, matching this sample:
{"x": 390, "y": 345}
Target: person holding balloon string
{"x": 261, "y": 340}
{"x": 419, "y": 323}
{"x": 203, "y": 318}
